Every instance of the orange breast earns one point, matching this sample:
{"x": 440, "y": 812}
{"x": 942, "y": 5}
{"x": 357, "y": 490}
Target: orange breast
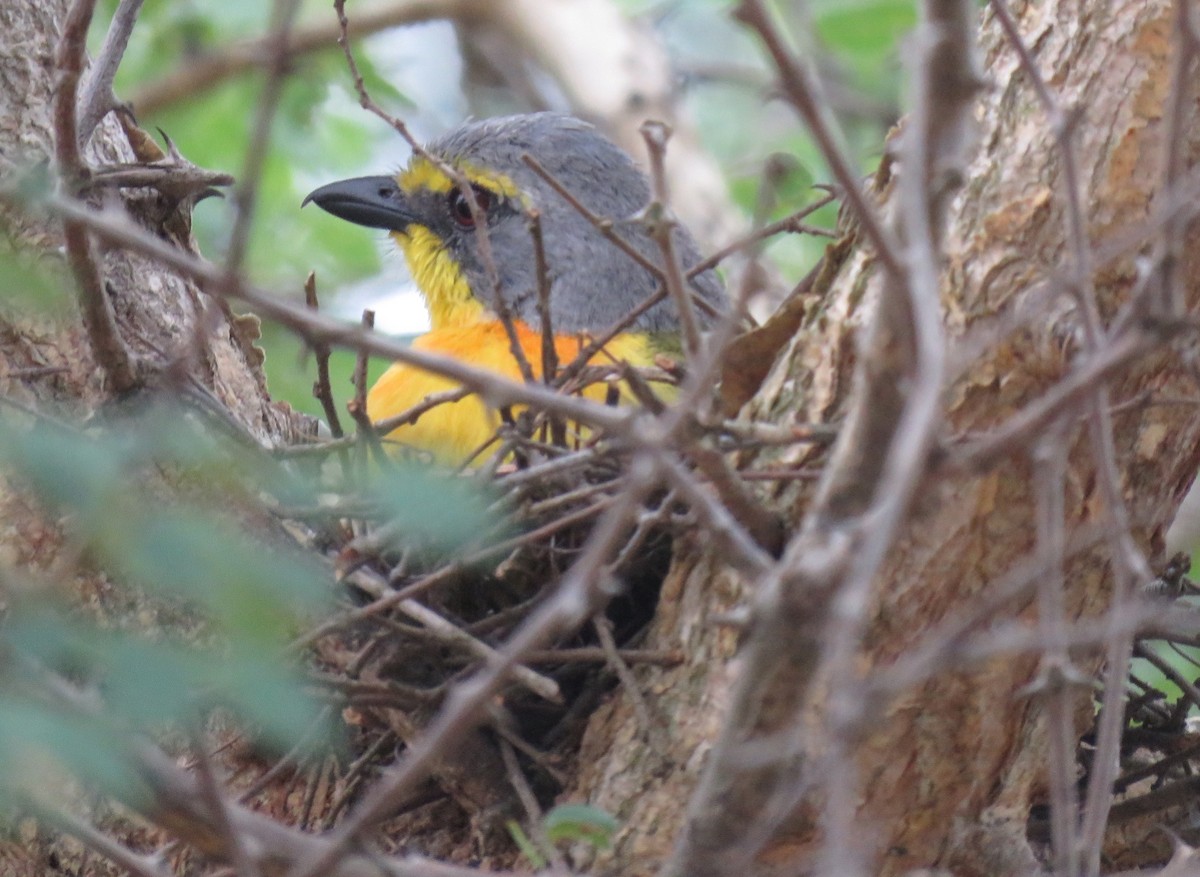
{"x": 453, "y": 430}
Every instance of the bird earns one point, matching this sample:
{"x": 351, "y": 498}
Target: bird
{"x": 466, "y": 282}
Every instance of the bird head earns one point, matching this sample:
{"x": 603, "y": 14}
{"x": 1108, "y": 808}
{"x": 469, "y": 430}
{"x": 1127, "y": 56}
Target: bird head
{"x": 593, "y": 284}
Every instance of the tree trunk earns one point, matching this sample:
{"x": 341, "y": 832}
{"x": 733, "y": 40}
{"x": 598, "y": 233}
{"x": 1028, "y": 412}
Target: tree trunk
{"x": 953, "y": 762}
{"x": 193, "y": 346}
{"x": 162, "y": 317}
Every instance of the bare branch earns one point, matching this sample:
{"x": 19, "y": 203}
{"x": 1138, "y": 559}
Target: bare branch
{"x": 97, "y": 97}
{"x": 98, "y": 317}
{"x": 245, "y": 194}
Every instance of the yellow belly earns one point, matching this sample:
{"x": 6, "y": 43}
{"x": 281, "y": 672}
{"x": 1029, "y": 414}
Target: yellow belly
{"x": 453, "y": 430}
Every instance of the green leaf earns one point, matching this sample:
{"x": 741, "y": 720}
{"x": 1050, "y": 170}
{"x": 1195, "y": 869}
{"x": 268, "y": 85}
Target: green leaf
{"x": 146, "y": 684}
{"x": 525, "y": 844}
{"x": 867, "y": 28}
{"x": 34, "y": 739}
{"x": 447, "y": 512}
{"x": 66, "y": 469}
{"x": 248, "y": 587}
{"x": 581, "y": 822}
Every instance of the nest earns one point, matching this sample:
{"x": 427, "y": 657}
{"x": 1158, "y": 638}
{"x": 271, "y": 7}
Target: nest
{"x": 1154, "y": 792}
{"x": 417, "y": 624}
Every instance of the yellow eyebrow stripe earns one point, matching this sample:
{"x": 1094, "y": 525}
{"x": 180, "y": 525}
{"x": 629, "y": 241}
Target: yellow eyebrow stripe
{"x": 422, "y": 175}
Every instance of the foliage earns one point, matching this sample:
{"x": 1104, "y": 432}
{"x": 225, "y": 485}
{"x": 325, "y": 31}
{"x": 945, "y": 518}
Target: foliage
{"x": 216, "y": 591}
{"x": 567, "y": 823}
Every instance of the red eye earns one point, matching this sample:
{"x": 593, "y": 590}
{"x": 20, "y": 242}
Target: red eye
{"x": 460, "y": 208}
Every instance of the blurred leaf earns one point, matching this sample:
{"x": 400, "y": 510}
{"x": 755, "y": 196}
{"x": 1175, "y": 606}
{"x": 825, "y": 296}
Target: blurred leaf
{"x": 250, "y": 588}
{"x": 581, "y": 822}
{"x": 65, "y": 469}
{"x": 259, "y": 687}
{"x": 147, "y": 684}
{"x": 525, "y": 844}
{"x": 35, "y": 738}
{"x": 866, "y": 28}
{"x": 447, "y": 512}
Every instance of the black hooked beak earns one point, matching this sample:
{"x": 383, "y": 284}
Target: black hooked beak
{"x": 376, "y": 202}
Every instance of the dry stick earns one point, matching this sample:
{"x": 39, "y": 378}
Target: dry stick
{"x": 245, "y": 194}
{"x": 218, "y": 807}
{"x": 322, "y": 389}
{"x": 790, "y": 223}
{"x": 478, "y": 216}
{"x": 289, "y": 761}
{"x": 600, "y": 223}
{"x": 629, "y": 683}
{"x": 170, "y": 797}
{"x": 197, "y": 74}
{"x": 800, "y": 87}
{"x": 354, "y": 776}
{"x": 765, "y": 527}
{"x": 1056, "y": 676}
{"x": 446, "y": 633}
{"x": 366, "y": 432}
{"x": 533, "y": 812}
{"x": 580, "y": 594}
{"x": 443, "y": 573}
{"x": 1131, "y": 565}
{"x": 596, "y": 655}
{"x": 500, "y": 721}
{"x": 97, "y": 841}
{"x": 117, "y": 229}
{"x": 98, "y": 317}
{"x": 549, "y": 351}
{"x": 661, "y": 225}
{"x": 405, "y": 418}
{"x": 558, "y": 429}
{"x": 944, "y": 84}
{"x": 97, "y": 97}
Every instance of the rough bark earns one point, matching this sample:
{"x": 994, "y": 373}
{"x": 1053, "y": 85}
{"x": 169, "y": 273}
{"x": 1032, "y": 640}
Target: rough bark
{"x": 162, "y": 317}
{"x": 47, "y": 362}
{"x": 949, "y": 774}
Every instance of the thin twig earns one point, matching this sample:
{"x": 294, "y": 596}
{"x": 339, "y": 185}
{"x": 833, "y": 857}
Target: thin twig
{"x": 97, "y": 841}
{"x": 322, "y": 389}
{"x": 97, "y": 97}
{"x": 198, "y": 73}
{"x": 791, "y": 224}
{"x": 98, "y": 316}
{"x": 447, "y": 633}
{"x": 533, "y": 812}
{"x": 629, "y": 683}
{"x": 116, "y": 229}
{"x": 800, "y": 87}
{"x": 245, "y": 194}
{"x": 660, "y": 224}
{"x": 218, "y": 807}
{"x": 580, "y": 593}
